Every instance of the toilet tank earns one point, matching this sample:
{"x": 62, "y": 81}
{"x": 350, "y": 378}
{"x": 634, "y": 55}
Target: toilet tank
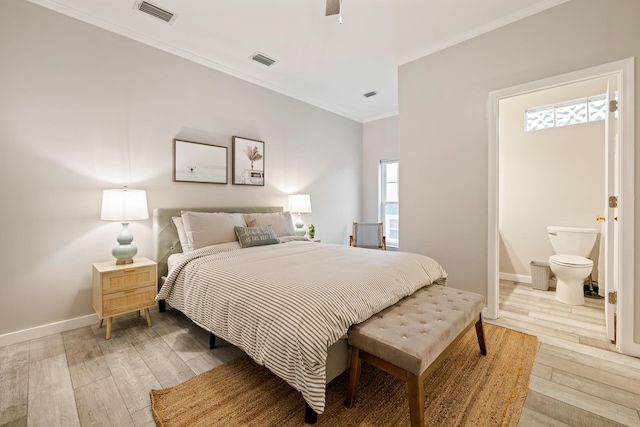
{"x": 572, "y": 240}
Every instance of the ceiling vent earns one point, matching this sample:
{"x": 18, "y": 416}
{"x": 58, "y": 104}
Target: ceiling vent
{"x": 370, "y": 94}
{"x": 263, "y": 59}
{"x": 155, "y": 11}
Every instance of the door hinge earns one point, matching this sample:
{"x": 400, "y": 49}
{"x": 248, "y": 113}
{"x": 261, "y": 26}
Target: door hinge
{"x": 613, "y": 201}
{"x": 613, "y": 106}
{"x": 613, "y": 297}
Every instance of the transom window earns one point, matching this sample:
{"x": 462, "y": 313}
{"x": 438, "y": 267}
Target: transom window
{"x": 578, "y": 111}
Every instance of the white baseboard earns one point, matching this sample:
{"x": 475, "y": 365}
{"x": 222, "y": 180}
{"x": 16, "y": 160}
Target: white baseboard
{"x": 44, "y": 330}
{"x": 514, "y": 277}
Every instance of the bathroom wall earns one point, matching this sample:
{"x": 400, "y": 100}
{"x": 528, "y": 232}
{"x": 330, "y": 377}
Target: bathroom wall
{"x": 547, "y": 177}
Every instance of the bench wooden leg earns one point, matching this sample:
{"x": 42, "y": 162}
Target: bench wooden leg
{"x": 354, "y": 376}
{"x": 416, "y": 400}
{"x": 480, "y": 334}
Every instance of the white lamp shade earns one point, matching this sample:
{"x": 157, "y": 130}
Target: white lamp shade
{"x": 300, "y": 203}
{"x": 124, "y": 205}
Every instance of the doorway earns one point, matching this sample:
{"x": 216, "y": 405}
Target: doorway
{"x": 620, "y": 259}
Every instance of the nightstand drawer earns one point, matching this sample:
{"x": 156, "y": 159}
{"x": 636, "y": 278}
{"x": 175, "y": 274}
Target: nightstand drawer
{"x": 128, "y": 278}
{"x": 128, "y": 300}
{"x": 123, "y": 288}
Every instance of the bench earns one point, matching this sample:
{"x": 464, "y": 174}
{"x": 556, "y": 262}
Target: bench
{"x": 408, "y": 338}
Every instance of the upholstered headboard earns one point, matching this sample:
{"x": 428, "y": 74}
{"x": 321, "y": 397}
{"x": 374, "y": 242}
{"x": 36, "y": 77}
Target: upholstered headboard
{"x": 165, "y": 235}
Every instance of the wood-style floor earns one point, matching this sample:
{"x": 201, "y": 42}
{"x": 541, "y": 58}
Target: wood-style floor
{"x": 80, "y": 378}
{"x": 578, "y": 378}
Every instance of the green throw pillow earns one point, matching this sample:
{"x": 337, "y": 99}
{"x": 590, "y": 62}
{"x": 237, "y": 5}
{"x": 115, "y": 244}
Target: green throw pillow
{"x": 256, "y": 236}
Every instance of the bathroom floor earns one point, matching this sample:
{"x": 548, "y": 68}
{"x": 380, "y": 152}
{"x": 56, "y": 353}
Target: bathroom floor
{"x": 578, "y": 377}
{"x": 539, "y": 312}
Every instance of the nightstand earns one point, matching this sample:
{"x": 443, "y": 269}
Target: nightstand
{"x": 119, "y": 289}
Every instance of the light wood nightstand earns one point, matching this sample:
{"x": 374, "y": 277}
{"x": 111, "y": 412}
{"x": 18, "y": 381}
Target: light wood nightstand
{"x": 119, "y": 289}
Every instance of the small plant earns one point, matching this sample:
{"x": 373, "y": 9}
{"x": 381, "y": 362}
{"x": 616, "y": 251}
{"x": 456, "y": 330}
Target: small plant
{"x": 252, "y": 154}
{"x": 312, "y": 230}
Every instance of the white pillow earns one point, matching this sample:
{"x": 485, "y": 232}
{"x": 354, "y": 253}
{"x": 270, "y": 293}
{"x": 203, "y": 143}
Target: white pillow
{"x": 182, "y": 234}
{"x": 211, "y": 228}
{"x": 287, "y": 239}
{"x": 280, "y": 222}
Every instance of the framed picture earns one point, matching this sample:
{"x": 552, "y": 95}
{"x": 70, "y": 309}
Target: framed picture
{"x": 248, "y": 161}
{"x": 197, "y": 162}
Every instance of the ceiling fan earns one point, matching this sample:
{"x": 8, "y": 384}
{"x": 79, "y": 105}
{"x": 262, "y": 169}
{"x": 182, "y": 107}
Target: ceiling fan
{"x": 334, "y": 7}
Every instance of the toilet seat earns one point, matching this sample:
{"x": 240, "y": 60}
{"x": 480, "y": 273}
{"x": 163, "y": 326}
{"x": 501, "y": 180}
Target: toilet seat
{"x": 571, "y": 260}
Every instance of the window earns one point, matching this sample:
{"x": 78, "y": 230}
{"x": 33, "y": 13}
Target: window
{"x": 574, "y": 112}
{"x": 389, "y": 201}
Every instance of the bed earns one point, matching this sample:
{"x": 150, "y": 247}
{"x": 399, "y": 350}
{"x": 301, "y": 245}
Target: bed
{"x": 287, "y": 305}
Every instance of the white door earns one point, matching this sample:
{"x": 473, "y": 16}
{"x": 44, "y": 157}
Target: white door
{"x": 609, "y": 232}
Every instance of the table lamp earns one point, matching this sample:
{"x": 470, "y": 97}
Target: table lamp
{"x": 124, "y": 205}
{"x": 300, "y": 203}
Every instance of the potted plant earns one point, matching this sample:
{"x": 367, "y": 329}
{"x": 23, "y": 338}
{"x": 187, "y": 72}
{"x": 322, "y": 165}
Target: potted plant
{"x": 312, "y": 230}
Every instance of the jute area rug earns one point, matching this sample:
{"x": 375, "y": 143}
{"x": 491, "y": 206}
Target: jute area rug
{"x": 466, "y": 389}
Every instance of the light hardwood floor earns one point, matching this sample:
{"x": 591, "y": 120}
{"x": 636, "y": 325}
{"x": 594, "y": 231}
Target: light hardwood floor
{"x": 578, "y": 378}
{"x": 80, "y": 378}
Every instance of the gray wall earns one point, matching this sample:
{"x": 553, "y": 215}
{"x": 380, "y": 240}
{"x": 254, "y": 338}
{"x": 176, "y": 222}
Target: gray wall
{"x": 443, "y": 125}
{"x": 379, "y": 142}
{"x": 83, "y": 109}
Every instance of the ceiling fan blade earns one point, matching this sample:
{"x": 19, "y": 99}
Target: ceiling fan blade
{"x": 333, "y": 7}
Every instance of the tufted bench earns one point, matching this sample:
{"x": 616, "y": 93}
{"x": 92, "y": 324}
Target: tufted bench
{"x": 407, "y": 338}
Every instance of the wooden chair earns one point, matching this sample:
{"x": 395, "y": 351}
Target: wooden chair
{"x": 368, "y": 235}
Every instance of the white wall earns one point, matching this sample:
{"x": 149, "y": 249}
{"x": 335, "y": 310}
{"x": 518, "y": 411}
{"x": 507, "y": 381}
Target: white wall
{"x": 83, "y": 109}
{"x": 379, "y": 142}
{"x": 547, "y": 177}
{"x": 443, "y": 123}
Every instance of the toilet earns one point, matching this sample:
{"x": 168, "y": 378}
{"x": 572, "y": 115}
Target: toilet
{"x": 570, "y": 264}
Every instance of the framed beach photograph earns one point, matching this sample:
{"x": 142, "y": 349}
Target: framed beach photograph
{"x": 248, "y": 161}
{"x": 198, "y": 162}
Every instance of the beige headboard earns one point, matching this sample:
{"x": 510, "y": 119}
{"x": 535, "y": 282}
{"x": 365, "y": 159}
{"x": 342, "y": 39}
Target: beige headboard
{"x": 165, "y": 235}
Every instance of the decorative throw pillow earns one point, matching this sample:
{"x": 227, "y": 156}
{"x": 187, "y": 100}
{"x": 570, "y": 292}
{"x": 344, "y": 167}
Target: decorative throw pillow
{"x": 182, "y": 234}
{"x": 256, "y": 236}
{"x": 279, "y": 221}
{"x": 210, "y": 228}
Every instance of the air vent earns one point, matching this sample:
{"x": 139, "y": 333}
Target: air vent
{"x": 155, "y": 11}
{"x": 263, "y": 59}
{"x": 370, "y": 94}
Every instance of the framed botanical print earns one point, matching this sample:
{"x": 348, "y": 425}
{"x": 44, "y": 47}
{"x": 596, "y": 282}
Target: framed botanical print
{"x": 248, "y": 161}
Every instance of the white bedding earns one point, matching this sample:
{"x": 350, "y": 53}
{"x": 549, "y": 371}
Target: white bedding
{"x": 285, "y": 304}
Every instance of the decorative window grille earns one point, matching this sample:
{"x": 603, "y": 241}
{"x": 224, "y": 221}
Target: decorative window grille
{"x": 577, "y": 111}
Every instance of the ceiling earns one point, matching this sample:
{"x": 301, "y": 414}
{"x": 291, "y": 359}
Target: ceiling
{"x": 320, "y": 61}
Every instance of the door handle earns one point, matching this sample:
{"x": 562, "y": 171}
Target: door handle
{"x": 601, "y": 218}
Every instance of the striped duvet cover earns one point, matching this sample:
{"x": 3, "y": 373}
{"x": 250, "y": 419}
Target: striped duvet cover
{"x": 285, "y": 304}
